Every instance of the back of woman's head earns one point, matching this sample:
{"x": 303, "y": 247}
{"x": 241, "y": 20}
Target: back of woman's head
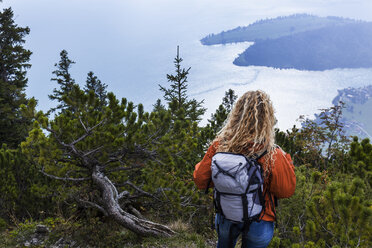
{"x": 249, "y": 128}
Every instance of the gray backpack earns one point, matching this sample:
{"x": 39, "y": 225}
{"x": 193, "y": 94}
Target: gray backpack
{"x": 238, "y": 187}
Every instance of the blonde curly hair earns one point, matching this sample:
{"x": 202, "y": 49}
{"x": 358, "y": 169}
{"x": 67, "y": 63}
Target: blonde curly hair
{"x": 249, "y": 128}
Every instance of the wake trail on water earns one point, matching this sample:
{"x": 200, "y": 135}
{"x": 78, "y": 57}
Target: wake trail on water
{"x": 226, "y": 85}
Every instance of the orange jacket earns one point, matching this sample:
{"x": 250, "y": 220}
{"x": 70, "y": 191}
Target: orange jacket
{"x": 283, "y": 178}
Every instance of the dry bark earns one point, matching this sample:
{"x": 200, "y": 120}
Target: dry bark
{"x": 111, "y": 205}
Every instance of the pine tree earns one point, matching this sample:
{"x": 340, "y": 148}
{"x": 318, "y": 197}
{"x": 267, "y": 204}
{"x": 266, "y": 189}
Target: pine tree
{"x": 13, "y": 65}
{"x": 176, "y": 95}
{"x": 99, "y": 155}
{"x": 158, "y": 106}
{"x": 218, "y": 118}
{"x": 229, "y": 100}
{"x": 64, "y": 80}
{"x": 332, "y": 203}
{"x": 97, "y": 87}
{"x": 23, "y": 190}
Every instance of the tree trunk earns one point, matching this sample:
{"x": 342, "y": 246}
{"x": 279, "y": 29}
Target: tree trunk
{"x": 129, "y": 221}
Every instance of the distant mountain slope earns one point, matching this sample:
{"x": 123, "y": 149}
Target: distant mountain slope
{"x": 354, "y": 96}
{"x": 274, "y": 28}
{"x": 357, "y": 115}
{"x": 341, "y": 46}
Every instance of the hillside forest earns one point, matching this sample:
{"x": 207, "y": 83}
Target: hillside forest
{"x": 99, "y": 171}
{"x": 302, "y": 42}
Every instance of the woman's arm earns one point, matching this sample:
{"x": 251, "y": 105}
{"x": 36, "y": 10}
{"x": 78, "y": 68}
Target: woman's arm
{"x": 283, "y": 178}
{"x": 202, "y": 172}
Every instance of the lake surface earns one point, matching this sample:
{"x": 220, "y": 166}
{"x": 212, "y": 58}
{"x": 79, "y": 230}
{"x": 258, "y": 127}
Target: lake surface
{"x": 293, "y": 92}
{"x": 130, "y": 45}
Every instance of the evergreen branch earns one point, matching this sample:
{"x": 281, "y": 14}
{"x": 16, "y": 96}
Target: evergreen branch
{"x": 92, "y": 151}
{"x": 63, "y": 160}
{"x": 56, "y": 136}
{"x": 81, "y": 122}
{"x": 358, "y": 241}
{"x": 325, "y": 229}
{"x": 125, "y": 168}
{"x": 165, "y": 195}
{"x": 72, "y": 147}
{"x": 113, "y": 160}
{"x": 87, "y": 132}
{"x": 142, "y": 192}
{"x": 143, "y": 151}
{"x": 64, "y": 178}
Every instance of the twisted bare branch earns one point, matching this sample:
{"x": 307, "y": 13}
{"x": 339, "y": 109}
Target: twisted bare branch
{"x": 141, "y": 191}
{"x": 125, "y": 168}
{"x": 92, "y": 151}
{"x": 64, "y": 178}
{"x": 92, "y": 205}
{"x": 88, "y": 132}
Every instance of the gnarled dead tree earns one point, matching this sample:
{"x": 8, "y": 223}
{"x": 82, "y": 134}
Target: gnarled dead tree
{"x": 86, "y": 145}
{"x": 109, "y": 203}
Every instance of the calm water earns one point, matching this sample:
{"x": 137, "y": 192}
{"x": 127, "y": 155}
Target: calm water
{"x": 130, "y": 45}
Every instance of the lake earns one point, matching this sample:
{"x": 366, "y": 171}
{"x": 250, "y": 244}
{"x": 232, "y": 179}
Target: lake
{"x": 130, "y": 45}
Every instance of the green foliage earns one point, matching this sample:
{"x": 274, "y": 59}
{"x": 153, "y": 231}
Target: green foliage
{"x": 176, "y": 96}
{"x": 180, "y": 240}
{"x": 361, "y": 159}
{"x": 218, "y": 118}
{"x": 326, "y": 209}
{"x": 97, "y": 87}
{"x": 335, "y": 209}
{"x": 94, "y": 232}
{"x": 64, "y": 80}
{"x": 23, "y": 190}
{"x": 322, "y": 143}
{"x": 14, "y": 64}
{"x": 3, "y": 225}
{"x": 91, "y": 232}
{"x": 150, "y": 158}
{"x": 332, "y": 203}
{"x": 23, "y": 230}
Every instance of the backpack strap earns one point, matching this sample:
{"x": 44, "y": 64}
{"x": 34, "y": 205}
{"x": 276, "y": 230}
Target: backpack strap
{"x": 218, "y": 202}
{"x": 272, "y": 203}
{"x": 208, "y": 184}
{"x": 220, "y": 170}
{"x": 246, "y": 219}
{"x": 257, "y": 157}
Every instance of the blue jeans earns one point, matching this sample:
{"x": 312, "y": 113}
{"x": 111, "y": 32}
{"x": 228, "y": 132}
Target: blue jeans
{"x": 259, "y": 235}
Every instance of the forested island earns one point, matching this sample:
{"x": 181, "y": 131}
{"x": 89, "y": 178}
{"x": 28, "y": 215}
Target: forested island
{"x": 99, "y": 171}
{"x": 274, "y": 28}
{"x": 302, "y": 42}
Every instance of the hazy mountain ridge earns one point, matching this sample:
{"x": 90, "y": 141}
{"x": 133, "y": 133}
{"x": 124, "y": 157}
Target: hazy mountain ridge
{"x": 354, "y": 95}
{"x": 342, "y": 46}
{"x": 275, "y": 28}
{"x": 303, "y": 42}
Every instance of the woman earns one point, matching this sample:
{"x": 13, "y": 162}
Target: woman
{"x": 249, "y": 130}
